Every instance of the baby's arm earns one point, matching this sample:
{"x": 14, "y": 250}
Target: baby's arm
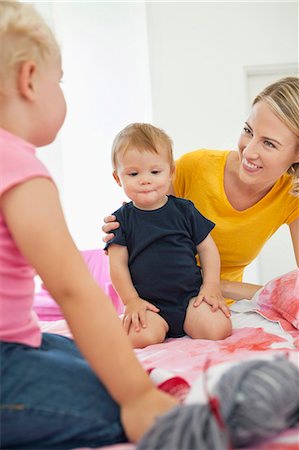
{"x": 210, "y": 263}
{"x": 135, "y": 307}
{"x": 35, "y": 219}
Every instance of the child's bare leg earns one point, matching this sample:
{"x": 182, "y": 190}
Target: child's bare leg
{"x": 202, "y": 323}
{"x": 154, "y": 333}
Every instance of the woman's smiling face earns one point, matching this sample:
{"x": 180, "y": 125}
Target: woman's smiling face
{"x": 267, "y": 147}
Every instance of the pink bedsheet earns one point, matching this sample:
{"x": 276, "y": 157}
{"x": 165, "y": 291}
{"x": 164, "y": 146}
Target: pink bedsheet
{"x": 253, "y": 337}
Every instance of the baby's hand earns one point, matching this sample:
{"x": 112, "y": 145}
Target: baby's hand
{"x": 135, "y": 314}
{"x": 211, "y": 294}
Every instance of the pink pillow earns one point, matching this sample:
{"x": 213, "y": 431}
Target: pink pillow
{"x": 97, "y": 263}
{"x": 279, "y": 300}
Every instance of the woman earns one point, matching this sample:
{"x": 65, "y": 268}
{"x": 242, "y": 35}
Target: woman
{"x": 249, "y": 194}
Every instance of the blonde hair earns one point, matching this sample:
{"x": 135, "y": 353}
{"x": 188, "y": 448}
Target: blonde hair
{"x": 24, "y": 36}
{"x": 283, "y": 98}
{"x": 143, "y": 137}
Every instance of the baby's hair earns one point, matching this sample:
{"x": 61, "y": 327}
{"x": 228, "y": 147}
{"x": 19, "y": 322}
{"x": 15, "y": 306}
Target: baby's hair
{"x": 143, "y": 137}
{"x": 24, "y": 35}
{"x": 283, "y": 98}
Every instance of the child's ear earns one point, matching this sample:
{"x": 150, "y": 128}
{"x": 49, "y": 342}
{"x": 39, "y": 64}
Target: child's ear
{"x": 26, "y": 77}
{"x": 116, "y": 177}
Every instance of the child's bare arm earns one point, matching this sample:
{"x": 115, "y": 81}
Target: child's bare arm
{"x": 210, "y": 263}
{"x": 135, "y": 307}
{"x": 34, "y": 216}
{"x": 120, "y": 274}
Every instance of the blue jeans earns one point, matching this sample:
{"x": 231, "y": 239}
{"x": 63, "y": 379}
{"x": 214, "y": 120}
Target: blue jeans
{"x": 51, "y": 399}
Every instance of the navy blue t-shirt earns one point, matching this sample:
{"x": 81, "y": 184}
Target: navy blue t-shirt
{"x": 162, "y": 248}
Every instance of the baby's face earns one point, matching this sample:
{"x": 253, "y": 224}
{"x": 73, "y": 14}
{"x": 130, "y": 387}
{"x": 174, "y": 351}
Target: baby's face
{"x": 145, "y": 177}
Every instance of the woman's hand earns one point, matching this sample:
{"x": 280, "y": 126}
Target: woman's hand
{"x": 110, "y": 224}
{"x": 135, "y": 314}
{"x": 211, "y": 294}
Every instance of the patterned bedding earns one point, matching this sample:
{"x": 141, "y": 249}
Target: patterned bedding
{"x": 253, "y": 337}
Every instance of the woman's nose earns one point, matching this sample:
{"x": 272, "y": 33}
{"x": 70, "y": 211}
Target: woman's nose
{"x": 251, "y": 149}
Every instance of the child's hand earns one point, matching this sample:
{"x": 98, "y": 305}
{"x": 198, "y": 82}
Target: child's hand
{"x": 140, "y": 414}
{"x": 211, "y": 294}
{"x": 135, "y": 314}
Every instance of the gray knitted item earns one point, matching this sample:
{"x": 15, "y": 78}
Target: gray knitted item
{"x": 258, "y": 399}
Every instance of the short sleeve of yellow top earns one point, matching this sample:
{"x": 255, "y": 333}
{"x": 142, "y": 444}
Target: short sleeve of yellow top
{"x": 239, "y": 235}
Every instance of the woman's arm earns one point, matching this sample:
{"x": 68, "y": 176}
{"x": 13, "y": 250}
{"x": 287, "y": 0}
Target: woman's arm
{"x": 294, "y": 230}
{"x": 237, "y": 290}
{"x": 35, "y": 219}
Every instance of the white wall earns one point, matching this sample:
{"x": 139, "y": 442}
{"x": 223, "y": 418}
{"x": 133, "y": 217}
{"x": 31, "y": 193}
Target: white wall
{"x": 180, "y": 65}
{"x": 107, "y": 85}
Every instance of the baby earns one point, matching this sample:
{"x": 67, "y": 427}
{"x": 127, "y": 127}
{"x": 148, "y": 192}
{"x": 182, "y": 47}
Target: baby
{"x": 152, "y": 257}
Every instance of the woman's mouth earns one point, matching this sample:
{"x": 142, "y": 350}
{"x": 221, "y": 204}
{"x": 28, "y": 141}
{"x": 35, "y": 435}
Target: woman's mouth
{"x": 251, "y": 167}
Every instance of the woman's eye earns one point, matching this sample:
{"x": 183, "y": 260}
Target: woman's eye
{"x": 269, "y": 144}
{"x": 247, "y": 130}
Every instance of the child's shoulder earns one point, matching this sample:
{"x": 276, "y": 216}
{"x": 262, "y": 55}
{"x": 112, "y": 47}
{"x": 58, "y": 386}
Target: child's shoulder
{"x": 124, "y": 209}
{"x": 181, "y": 203}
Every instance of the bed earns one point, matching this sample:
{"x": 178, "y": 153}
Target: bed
{"x": 263, "y": 328}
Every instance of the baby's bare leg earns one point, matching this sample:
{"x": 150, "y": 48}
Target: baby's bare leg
{"x": 154, "y": 333}
{"x": 202, "y": 323}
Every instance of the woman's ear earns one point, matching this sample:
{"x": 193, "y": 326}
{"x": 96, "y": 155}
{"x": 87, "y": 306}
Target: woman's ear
{"x": 26, "y": 75}
{"x": 116, "y": 177}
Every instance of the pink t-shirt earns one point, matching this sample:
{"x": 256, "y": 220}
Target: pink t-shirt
{"x": 18, "y": 323}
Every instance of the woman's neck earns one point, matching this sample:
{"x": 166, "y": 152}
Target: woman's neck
{"x": 240, "y": 194}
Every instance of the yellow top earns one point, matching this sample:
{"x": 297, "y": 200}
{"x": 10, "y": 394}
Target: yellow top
{"x": 239, "y": 235}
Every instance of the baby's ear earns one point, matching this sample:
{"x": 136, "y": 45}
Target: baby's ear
{"x": 25, "y": 79}
{"x": 116, "y": 177}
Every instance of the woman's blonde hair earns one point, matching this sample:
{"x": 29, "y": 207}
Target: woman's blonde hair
{"x": 283, "y": 98}
{"x": 24, "y": 36}
{"x": 143, "y": 137}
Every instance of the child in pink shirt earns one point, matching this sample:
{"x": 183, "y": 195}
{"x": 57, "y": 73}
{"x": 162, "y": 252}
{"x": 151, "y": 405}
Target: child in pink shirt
{"x": 51, "y": 397}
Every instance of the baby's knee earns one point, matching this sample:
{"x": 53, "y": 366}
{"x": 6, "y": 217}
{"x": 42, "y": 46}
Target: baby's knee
{"x": 212, "y": 330}
{"x": 221, "y": 332}
{"x": 146, "y": 337}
